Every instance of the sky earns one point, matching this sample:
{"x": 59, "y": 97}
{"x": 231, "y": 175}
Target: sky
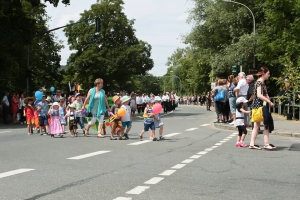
{"x": 161, "y": 23}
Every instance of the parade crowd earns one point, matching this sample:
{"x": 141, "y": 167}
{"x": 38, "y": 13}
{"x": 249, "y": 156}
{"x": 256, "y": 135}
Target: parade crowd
{"x": 50, "y": 114}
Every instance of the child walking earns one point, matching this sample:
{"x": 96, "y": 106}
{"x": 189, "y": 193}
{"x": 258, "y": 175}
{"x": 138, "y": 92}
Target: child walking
{"x": 127, "y": 118}
{"x": 28, "y": 112}
{"x": 71, "y": 114}
{"x": 116, "y": 124}
{"x": 79, "y": 108}
{"x": 149, "y": 121}
{"x": 157, "y": 121}
{"x": 239, "y": 122}
{"x": 62, "y": 113}
{"x": 55, "y": 126}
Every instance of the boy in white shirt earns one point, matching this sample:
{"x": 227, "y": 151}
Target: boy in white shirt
{"x": 127, "y": 118}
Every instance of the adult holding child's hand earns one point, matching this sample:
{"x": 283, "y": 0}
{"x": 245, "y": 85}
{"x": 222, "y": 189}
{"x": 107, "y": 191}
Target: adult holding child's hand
{"x": 98, "y": 105}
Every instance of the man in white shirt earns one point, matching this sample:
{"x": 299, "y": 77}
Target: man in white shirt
{"x": 241, "y": 91}
{"x": 165, "y": 100}
{"x": 139, "y": 102}
{"x": 5, "y": 108}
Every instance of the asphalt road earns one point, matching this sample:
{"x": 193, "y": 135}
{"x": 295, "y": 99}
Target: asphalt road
{"x": 196, "y": 161}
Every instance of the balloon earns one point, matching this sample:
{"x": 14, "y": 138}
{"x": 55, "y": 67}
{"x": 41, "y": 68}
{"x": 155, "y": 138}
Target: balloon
{"x": 86, "y": 106}
{"x": 52, "y": 89}
{"x": 157, "y": 108}
{"x": 38, "y": 95}
{"x": 121, "y": 112}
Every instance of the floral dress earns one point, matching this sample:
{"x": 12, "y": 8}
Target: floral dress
{"x": 257, "y": 102}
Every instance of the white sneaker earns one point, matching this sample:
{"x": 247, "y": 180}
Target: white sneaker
{"x": 232, "y": 123}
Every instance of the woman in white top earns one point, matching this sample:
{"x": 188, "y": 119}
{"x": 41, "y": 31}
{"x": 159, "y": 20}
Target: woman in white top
{"x": 21, "y": 109}
{"x": 133, "y": 104}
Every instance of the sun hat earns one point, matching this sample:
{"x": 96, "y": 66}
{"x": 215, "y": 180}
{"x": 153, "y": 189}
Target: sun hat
{"x": 157, "y": 98}
{"x": 55, "y": 104}
{"x": 115, "y": 98}
{"x": 125, "y": 98}
{"x": 29, "y": 99}
{"x": 150, "y": 100}
{"x": 78, "y": 94}
{"x": 241, "y": 100}
{"x": 48, "y": 98}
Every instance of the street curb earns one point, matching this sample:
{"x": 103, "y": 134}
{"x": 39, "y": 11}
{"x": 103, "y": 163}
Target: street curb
{"x": 275, "y": 132}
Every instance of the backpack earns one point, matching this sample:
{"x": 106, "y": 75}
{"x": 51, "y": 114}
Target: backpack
{"x": 220, "y": 96}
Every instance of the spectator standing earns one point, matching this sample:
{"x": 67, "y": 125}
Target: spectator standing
{"x": 14, "y": 107}
{"x": 250, "y": 92}
{"x": 241, "y": 91}
{"x": 139, "y": 102}
{"x": 261, "y": 95}
{"x": 232, "y": 97}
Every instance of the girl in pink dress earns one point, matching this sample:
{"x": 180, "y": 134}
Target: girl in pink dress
{"x": 55, "y": 126}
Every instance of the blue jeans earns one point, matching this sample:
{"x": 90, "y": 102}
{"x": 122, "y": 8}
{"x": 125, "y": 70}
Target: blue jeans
{"x": 80, "y": 122}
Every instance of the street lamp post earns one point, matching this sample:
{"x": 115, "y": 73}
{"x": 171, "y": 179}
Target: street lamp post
{"x": 230, "y": 1}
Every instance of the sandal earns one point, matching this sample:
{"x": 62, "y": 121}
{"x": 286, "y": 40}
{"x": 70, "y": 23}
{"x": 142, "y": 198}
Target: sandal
{"x": 86, "y": 134}
{"x": 100, "y": 135}
{"x": 255, "y": 147}
{"x": 113, "y": 138}
{"x": 269, "y": 147}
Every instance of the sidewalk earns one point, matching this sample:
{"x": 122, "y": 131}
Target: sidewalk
{"x": 282, "y": 126}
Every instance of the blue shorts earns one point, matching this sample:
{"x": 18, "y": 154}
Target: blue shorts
{"x": 147, "y": 126}
{"x": 126, "y": 124}
{"x": 43, "y": 120}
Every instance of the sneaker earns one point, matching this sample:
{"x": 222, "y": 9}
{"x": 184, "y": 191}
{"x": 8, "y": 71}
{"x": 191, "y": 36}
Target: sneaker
{"x": 141, "y": 138}
{"x": 29, "y": 133}
{"x": 126, "y": 135}
{"x": 232, "y": 123}
{"x": 237, "y": 144}
{"x": 161, "y": 137}
{"x": 242, "y": 144}
{"x": 150, "y": 138}
{"x": 154, "y": 139}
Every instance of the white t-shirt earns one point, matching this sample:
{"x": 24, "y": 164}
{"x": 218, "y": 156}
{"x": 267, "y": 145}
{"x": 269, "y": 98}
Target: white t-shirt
{"x": 243, "y": 87}
{"x": 139, "y": 100}
{"x": 126, "y": 117}
{"x": 78, "y": 106}
{"x": 165, "y": 98}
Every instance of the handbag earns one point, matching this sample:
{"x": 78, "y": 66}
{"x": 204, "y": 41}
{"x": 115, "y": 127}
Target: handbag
{"x": 220, "y": 96}
{"x": 257, "y": 113}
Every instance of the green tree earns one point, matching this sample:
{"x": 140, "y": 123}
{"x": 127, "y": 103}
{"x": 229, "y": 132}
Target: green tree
{"x": 114, "y": 54}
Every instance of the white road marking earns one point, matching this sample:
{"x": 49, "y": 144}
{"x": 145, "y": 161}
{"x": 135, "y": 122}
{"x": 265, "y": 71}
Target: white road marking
{"x": 123, "y": 198}
{"x": 223, "y": 141}
{"x": 218, "y": 144}
{"x": 204, "y": 125}
{"x": 196, "y": 156}
{"x": 187, "y": 161}
{"x": 88, "y": 155}
{"x": 154, "y": 180}
{"x": 5, "y": 131}
{"x": 138, "y": 190}
{"x": 172, "y": 134}
{"x": 178, "y": 166}
{"x": 208, "y": 149}
{"x": 202, "y": 152}
{"x": 167, "y": 172}
{"x": 229, "y": 137}
{"x": 140, "y": 142}
{"x": 191, "y": 129}
{"x": 14, "y": 172}
{"x": 214, "y": 147}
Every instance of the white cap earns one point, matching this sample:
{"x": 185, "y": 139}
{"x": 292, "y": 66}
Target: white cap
{"x": 241, "y": 100}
